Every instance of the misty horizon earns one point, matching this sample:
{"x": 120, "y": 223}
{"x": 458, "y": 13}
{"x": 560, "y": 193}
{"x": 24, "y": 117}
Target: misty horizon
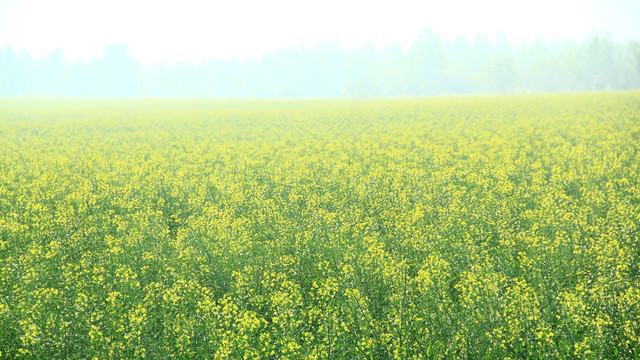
{"x": 430, "y": 66}
{"x": 196, "y": 30}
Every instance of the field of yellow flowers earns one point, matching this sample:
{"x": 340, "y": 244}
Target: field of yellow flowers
{"x": 444, "y": 228}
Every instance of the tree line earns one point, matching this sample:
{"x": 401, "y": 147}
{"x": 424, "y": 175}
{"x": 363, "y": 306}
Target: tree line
{"x": 431, "y": 66}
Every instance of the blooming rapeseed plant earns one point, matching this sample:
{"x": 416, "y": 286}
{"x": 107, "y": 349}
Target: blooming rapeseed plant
{"x": 484, "y": 227}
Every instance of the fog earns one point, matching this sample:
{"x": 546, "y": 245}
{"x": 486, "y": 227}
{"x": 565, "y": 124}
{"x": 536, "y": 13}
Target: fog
{"x": 430, "y": 66}
{"x": 291, "y": 49}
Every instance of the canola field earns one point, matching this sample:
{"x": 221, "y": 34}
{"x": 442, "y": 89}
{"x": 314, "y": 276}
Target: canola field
{"x": 443, "y": 228}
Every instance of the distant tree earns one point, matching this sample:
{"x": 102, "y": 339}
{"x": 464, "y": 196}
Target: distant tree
{"x": 53, "y": 74}
{"x": 598, "y": 53}
{"x": 14, "y": 79}
{"x": 499, "y": 74}
{"x": 634, "y": 64}
{"x": 118, "y": 72}
{"x": 430, "y": 66}
{"x": 426, "y": 62}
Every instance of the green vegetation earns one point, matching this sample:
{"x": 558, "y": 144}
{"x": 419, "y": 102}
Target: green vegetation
{"x": 430, "y": 66}
{"x": 477, "y": 227}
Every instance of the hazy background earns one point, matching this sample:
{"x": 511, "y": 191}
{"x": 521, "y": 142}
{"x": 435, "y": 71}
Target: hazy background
{"x": 316, "y": 49}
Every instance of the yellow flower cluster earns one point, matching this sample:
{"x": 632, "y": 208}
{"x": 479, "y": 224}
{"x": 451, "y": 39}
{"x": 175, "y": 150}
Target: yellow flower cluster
{"x": 445, "y": 228}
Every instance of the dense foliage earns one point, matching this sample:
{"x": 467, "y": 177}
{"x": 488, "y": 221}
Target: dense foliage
{"x": 479, "y": 227}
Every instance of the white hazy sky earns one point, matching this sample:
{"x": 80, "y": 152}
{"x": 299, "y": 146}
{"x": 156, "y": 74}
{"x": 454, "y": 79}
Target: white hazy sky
{"x": 157, "y": 30}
